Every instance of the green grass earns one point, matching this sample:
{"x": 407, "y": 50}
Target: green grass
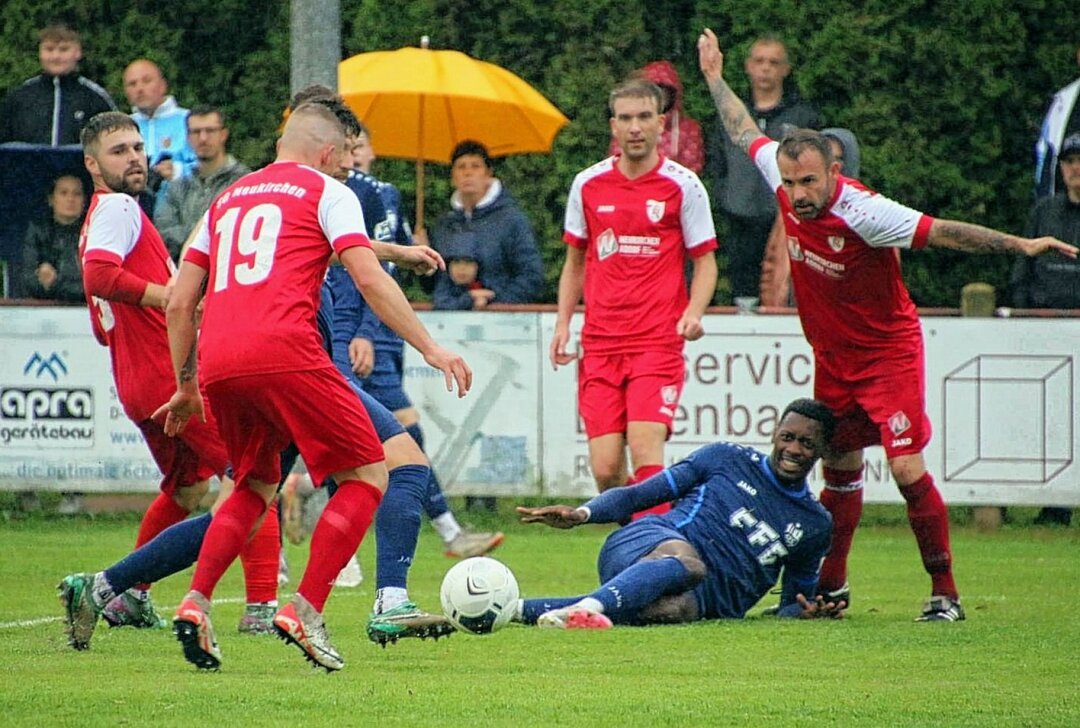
{"x": 1011, "y": 663}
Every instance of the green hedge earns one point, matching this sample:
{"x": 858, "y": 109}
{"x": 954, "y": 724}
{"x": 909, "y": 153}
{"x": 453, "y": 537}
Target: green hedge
{"x": 946, "y": 98}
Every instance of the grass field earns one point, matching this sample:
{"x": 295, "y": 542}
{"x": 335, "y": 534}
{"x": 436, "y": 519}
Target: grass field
{"x": 1012, "y": 663}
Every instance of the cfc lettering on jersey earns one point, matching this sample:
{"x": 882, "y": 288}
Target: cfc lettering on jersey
{"x": 759, "y": 533}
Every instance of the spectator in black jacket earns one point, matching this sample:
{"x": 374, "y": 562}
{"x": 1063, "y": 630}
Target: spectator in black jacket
{"x": 52, "y": 107}
{"x": 50, "y": 267}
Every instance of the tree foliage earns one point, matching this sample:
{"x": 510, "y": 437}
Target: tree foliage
{"x": 945, "y": 98}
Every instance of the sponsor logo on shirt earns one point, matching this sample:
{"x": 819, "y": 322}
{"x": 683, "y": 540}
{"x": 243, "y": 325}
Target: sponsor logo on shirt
{"x": 794, "y": 250}
{"x": 836, "y": 242}
{"x": 901, "y": 442}
{"x": 743, "y": 485}
{"x": 600, "y": 209}
{"x": 606, "y": 244}
{"x": 654, "y": 210}
{"x": 826, "y": 267}
{"x": 899, "y": 422}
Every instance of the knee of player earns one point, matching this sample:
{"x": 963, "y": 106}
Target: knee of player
{"x": 402, "y": 449}
{"x": 608, "y": 475}
{"x": 695, "y": 568}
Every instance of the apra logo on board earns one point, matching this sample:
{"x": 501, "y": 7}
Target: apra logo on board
{"x": 46, "y": 411}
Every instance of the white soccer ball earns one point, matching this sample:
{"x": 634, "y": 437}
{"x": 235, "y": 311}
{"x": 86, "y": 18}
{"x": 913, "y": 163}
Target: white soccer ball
{"x": 478, "y": 595}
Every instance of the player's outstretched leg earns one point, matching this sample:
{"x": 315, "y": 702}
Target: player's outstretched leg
{"x": 397, "y": 528}
{"x": 195, "y": 632}
{"x": 582, "y": 615}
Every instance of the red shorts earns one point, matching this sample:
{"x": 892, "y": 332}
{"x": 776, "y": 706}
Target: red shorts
{"x": 620, "y": 388}
{"x": 879, "y": 399}
{"x": 194, "y": 456}
{"x": 260, "y": 414}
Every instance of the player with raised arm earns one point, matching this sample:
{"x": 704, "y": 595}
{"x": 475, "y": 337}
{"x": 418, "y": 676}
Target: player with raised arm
{"x": 264, "y": 248}
{"x": 632, "y": 223}
{"x": 740, "y": 521}
{"x": 857, "y": 315}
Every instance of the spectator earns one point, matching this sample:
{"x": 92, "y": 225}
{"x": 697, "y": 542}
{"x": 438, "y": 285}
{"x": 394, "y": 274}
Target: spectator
{"x": 188, "y": 197}
{"x": 681, "y": 138}
{"x": 1062, "y": 120}
{"x": 52, "y": 107}
{"x": 1054, "y": 281}
{"x": 506, "y": 252}
{"x": 162, "y": 123}
{"x": 51, "y": 253}
{"x": 752, "y": 214}
{"x": 776, "y": 266}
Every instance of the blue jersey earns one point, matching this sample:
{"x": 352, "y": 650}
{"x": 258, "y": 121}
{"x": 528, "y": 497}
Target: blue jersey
{"x": 747, "y": 527}
{"x": 382, "y": 337}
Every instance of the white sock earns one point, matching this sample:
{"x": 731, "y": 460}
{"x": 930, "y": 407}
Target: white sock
{"x": 519, "y": 610}
{"x": 101, "y": 590}
{"x": 447, "y": 526}
{"x": 591, "y": 603}
{"x": 389, "y": 597}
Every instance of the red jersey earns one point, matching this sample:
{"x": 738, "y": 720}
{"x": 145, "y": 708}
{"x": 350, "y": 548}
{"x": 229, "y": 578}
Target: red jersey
{"x": 637, "y": 234}
{"x": 266, "y": 241}
{"x": 117, "y": 231}
{"x": 844, "y": 270}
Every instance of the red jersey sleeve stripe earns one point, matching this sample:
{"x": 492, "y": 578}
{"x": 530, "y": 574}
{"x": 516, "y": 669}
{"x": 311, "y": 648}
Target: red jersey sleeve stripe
{"x": 352, "y": 240}
{"x": 574, "y": 240}
{"x": 922, "y": 232}
{"x": 197, "y": 257}
{"x": 706, "y": 246}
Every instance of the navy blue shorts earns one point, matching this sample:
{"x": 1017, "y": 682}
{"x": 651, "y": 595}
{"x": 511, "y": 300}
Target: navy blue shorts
{"x": 386, "y": 425}
{"x": 384, "y": 382}
{"x": 632, "y": 542}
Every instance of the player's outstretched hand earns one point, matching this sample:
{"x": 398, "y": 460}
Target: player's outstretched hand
{"x": 710, "y": 59}
{"x": 554, "y": 516}
{"x": 1038, "y": 246}
{"x": 558, "y": 353}
{"x": 819, "y": 608}
{"x": 420, "y": 259}
{"x": 178, "y": 410}
{"x": 453, "y": 368}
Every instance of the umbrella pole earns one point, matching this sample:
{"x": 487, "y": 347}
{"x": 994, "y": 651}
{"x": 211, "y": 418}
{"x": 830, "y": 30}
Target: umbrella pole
{"x": 419, "y": 194}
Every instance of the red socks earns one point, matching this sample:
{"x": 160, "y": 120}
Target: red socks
{"x": 260, "y": 559}
{"x": 161, "y": 514}
{"x": 647, "y": 471}
{"x": 929, "y": 519}
{"x": 229, "y": 531}
{"x": 337, "y": 536}
{"x": 842, "y": 497}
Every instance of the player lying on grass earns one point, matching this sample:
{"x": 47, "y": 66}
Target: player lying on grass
{"x": 740, "y": 520}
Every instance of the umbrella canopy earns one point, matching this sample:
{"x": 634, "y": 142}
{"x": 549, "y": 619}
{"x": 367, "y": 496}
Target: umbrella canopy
{"x": 419, "y": 104}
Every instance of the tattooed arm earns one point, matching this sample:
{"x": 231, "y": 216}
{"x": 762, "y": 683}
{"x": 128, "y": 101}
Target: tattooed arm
{"x": 978, "y": 239}
{"x": 736, "y": 119}
{"x": 181, "y": 318}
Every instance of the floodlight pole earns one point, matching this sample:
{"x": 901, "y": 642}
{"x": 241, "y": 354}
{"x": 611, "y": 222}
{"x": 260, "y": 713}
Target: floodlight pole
{"x": 314, "y": 43}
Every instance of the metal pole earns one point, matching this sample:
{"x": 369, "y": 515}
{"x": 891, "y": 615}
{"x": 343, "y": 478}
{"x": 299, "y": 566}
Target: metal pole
{"x": 314, "y": 43}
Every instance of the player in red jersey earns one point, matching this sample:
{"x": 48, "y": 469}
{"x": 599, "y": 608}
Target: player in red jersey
{"x": 632, "y": 221}
{"x": 265, "y": 246}
{"x": 126, "y": 270}
{"x": 862, "y": 325}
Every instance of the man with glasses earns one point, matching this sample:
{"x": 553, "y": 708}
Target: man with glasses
{"x": 190, "y": 196}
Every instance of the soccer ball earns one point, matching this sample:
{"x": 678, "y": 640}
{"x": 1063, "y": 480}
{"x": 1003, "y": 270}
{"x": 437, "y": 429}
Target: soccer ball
{"x": 478, "y": 595}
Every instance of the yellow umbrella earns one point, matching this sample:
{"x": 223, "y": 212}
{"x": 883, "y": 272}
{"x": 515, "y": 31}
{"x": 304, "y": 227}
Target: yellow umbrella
{"x": 420, "y": 103}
